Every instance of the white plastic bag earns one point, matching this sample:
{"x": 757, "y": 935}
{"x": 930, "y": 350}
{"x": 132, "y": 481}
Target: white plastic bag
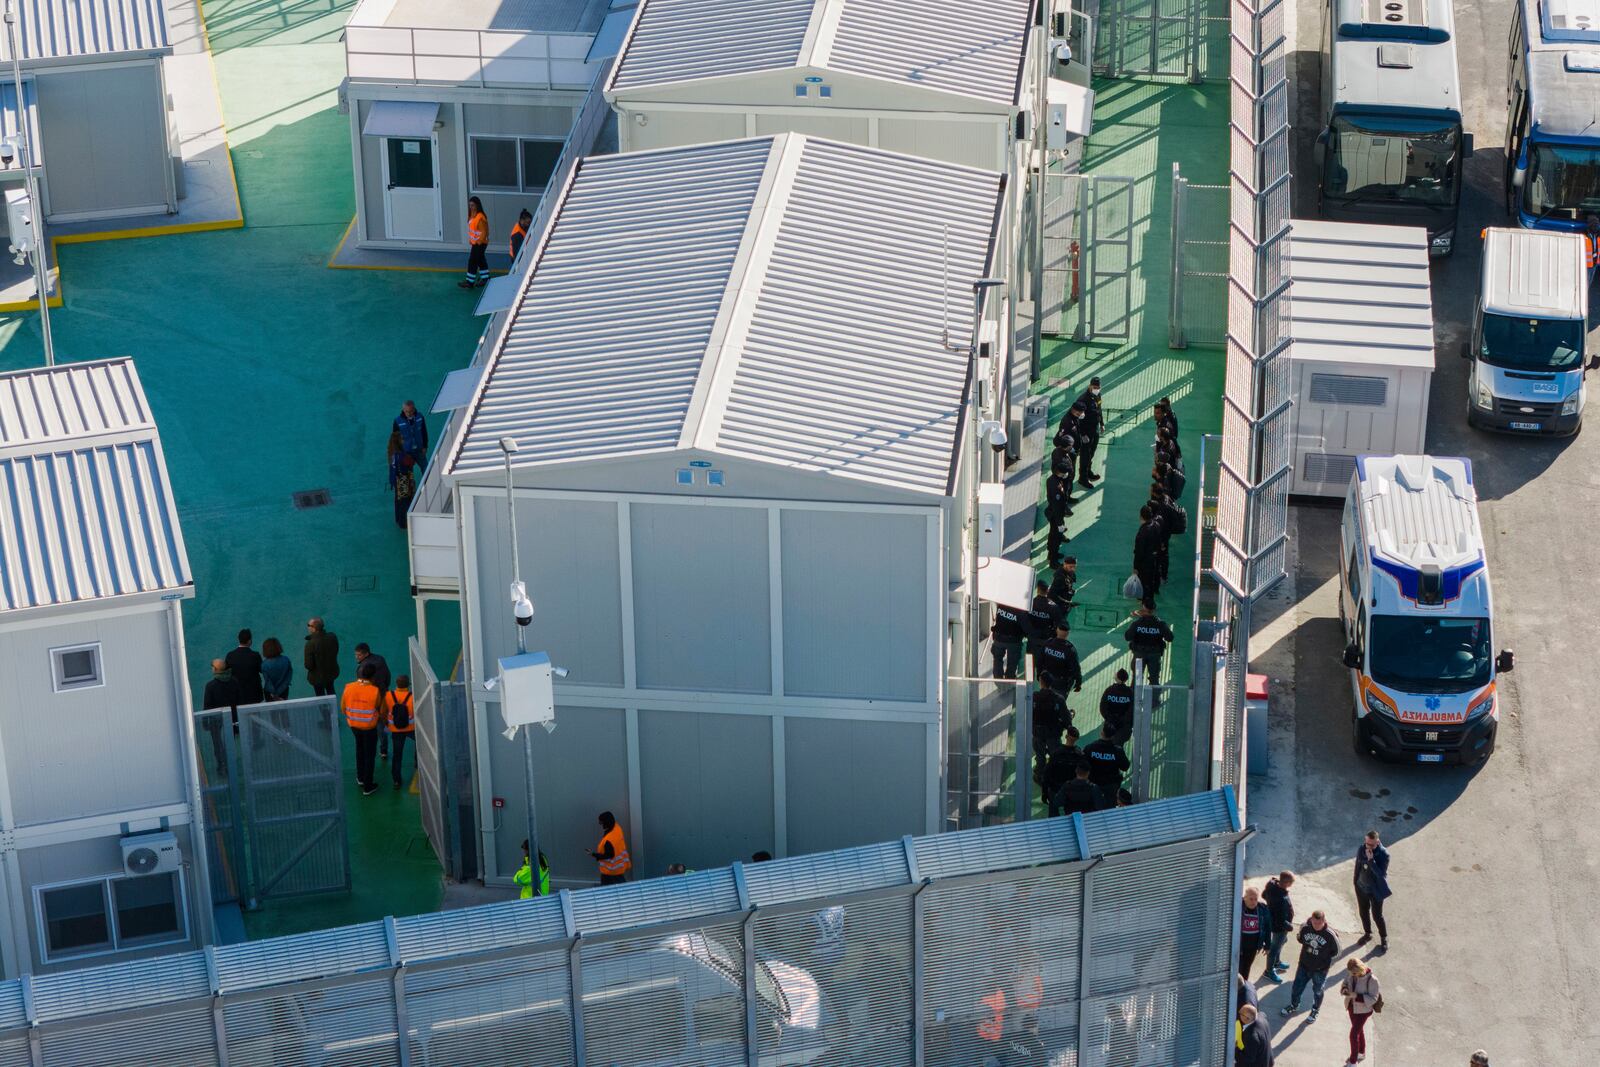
{"x": 1133, "y": 588}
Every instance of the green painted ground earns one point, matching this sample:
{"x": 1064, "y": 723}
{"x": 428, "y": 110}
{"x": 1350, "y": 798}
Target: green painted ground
{"x": 1141, "y": 129}
{"x": 269, "y": 374}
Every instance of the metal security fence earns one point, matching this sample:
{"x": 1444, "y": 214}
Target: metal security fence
{"x": 1108, "y": 935}
{"x": 1199, "y": 309}
{"x": 273, "y": 794}
{"x": 1088, "y": 256}
{"x": 444, "y": 768}
{"x": 1179, "y": 39}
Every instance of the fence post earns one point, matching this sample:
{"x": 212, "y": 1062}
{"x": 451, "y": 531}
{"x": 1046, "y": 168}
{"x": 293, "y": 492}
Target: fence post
{"x": 574, "y": 976}
{"x": 219, "y": 1022}
{"x": 918, "y": 986}
{"x": 30, "y": 1013}
{"x": 236, "y": 793}
{"x": 391, "y": 936}
{"x": 1175, "y": 336}
{"x": 1084, "y": 927}
{"x": 1022, "y": 782}
{"x": 1143, "y": 713}
{"x": 752, "y": 1040}
{"x": 1084, "y": 209}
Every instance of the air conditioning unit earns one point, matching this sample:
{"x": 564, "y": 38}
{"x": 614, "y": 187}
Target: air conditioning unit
{"x": 150, "y": 854}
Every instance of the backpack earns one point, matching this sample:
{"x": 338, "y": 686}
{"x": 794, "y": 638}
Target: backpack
{"x": 1180, "y": 519}
{"x": 400, "y": 713}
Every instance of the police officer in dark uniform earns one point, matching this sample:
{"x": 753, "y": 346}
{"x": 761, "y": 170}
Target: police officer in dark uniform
{"x": 1116, "y": 710}
{"x": 1078, "y": 793}
{"x": 1091, "y": 428}
{"x": 1107, "y": 764}
{"x": 1042, "y": 618}
{"x": 1064, "y": 585}
{"x": 1165, "y": 417}
{"x": 1058, "y": 505}
{"x": 1050, "y": 716}
{"x": 1148, "y": 637}
{"x": 1005, "y": 636}
{"x": 1147, "y": 544}
{"x": 1059, "y": 659}
{"x": 1058, "y": 766}
{"x": 1172, "y": 522}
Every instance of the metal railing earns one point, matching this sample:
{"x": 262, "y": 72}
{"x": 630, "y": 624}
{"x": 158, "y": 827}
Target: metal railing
{"x": 1102, "y": 939}
{"x": 1198, "y": 313}
{"x": 377, "y": 51}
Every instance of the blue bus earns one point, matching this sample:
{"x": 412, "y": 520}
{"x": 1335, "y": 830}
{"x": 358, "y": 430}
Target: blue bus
{"x": 1553, "y": 96}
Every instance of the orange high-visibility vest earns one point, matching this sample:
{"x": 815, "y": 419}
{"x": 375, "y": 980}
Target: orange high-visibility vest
{"x": 619, "y": 863}
{"x": 517, "y": 231}
{"x": 400, "y": 697}
{"x": 994, "y": 1026}
{"x": 360, "y": 702}
{"x": 478, "y": 229}
{"x": 1591, "y": 248}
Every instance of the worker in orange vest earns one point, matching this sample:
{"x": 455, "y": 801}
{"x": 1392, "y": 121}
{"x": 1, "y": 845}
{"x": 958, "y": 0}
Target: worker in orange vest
{"x": 399, "y": 712}
{"x": 1591, "y": 243}
{"x": 362, "y": 704}
{"x": 478, "y": 246}
{"x": 519, "y": 232}
{"x": 612, "y": 851}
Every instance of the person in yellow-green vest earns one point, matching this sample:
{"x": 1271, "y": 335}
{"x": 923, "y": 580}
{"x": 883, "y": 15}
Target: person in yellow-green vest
{"x": 524, "y": 875}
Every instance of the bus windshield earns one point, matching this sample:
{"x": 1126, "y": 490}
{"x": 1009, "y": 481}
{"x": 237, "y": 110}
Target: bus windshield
{"x": 1532, "y": 344}
{"x": 1417, "y": 654}
{"x": 1563, "y": 181}
{"x": 1392, "y": 160}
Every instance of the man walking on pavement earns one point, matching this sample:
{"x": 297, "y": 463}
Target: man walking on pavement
{"x": 1058, "y": 505}
{"x": 1276, "y": 895}
{"x": 1148, "y": 636}
{"x": 1116, "y": 710}
{"x": 244, "y": 663}
{"x": 1254, "y": 921}
{"x": 612, "y": 851}
{"x": 413, "y": 430}
{"x": 1090, "y": 429}
{"x": 1005, "y": 638}
{"x": 1147, "y": 542}
{"x": 1319, "y": 946}
{"x": 1372, "y": 888}
{"x": 361, "y": 703}
{"x": 1255, "y": 1039}
{"x": 322, "y": 658}
{"x": 380, "y": 678}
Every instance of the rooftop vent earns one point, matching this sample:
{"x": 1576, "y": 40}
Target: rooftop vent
{"x": 1570, "y": 20}
{"x": 1395, "y": 56}
{"x": 1582, "y": 62}
{"x": 1396, "y": 12}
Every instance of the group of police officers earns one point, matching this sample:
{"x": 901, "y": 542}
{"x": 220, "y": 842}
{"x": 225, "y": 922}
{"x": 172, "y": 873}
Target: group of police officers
{"x": 1090, "y": 778}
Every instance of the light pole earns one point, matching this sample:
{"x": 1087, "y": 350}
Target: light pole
{"x": 31, "y": 180}
{"x": 522, "y": 612}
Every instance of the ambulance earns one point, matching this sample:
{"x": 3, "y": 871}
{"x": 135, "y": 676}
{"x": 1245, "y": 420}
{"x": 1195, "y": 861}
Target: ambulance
{"x": 1417, "y": 614}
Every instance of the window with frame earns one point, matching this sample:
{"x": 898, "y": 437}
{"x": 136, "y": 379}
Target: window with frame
{"x": 76, "y": 667}
{"x": 105, "y": 915}
{"x": 513, "y": 164}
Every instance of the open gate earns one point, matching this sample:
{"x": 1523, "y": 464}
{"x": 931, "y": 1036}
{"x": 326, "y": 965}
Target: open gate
{"x": 274, "y": 797}
{"x": 1179, "y": 39}
{"x": 1087, "y": 256}
{"x": 1198, "y": 314}
{"x": 444, "y": 769}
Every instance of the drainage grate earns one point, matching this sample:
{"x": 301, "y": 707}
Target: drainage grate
{"x": 358, "y": 583}
{"x": 312, "y": 498}
{"x": 1102, "y": 618}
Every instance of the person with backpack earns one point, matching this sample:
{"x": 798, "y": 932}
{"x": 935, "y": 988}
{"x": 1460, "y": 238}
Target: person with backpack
{"x": 1363, "y": 998}
{"x": 400, "y": 712}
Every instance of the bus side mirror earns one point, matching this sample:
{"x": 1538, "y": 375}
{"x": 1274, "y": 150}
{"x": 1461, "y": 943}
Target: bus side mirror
{"x": 1322, "y": 138}
{"x": 1466, "y": 146}
{"x": 1352, "y": 656}
{"x": 1505, "y": 661}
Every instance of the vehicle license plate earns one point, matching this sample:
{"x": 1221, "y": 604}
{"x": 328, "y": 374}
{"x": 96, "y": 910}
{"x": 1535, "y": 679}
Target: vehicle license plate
{"x": 1524, "y": 425}
{"x": 1430, "y": 757}
{"x": 1545, "y": 388}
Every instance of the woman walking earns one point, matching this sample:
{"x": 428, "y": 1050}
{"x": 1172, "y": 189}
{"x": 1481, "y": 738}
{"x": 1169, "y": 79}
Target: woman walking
{"x": 478, "y": 240}
{"x": 1362, "y": 999}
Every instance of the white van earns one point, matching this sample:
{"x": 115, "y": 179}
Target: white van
{"x": 1528, "y": 336}
{"x": 1418, "y": 618}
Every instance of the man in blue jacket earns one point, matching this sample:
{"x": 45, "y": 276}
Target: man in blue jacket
{"x": 1372, "y": 887}
{"x": 413, "y": 431}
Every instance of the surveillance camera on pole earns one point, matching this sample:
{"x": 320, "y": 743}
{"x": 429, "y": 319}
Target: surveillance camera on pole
{"x": 994, "y": 433}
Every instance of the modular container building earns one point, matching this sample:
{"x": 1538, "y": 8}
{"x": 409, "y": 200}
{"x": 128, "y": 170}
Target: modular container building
{"x": 100, "y": 825}
{"x": 1362, "y": 357}
{"x": 738, "y": 379}
{"x": 465, "y": 99}
{"x": 95, "y": 96}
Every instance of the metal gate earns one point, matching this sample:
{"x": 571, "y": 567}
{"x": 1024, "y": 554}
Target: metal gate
{"x": 1198, "y": 314}
{"x": 1088, "y": 254}
{"x": 444, "y": 770}
{"x": 1186, "y": 39}
{"x": 274, "y": 793}
{"x": 1163, "y": 724}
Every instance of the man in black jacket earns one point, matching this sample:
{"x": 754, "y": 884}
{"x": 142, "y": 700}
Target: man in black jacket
{"x": 1042, "y": 618}
{"x": 1079, "y": 794}
{"x": 1148, "y": 636}
{"x": 1090, "y": 428}
{"x": 1147, "y": 544}
{"x": 1005, "y": 637}
{"x": 381, "y": 679}
{"x": 220, "y": 692}
{"x": 1064, "y": 585}
{"x": 1255, "y": 1039}
{"x": 1107, "y": 764}
{"x": 1276, "y": 896}
{"x": 244, "y": 664}
{"x": 1060, "y": 658}
{"x": 1050, "y": 716}
{"x": 1058, "y": 505}
{"x": 1319, "y": 947}
{"x": 1116, "y": 710}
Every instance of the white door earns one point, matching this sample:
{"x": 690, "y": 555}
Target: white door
{"x": 411, "y": 210}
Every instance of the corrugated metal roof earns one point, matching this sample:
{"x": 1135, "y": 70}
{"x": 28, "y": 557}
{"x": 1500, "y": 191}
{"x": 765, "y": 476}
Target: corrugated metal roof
{"x": 844, "y": 365}
{"x": 1360, "y": 294}
{"x": 1421, "y": 510}
{"x": 685, "y": 40}
{"x": 603, "y": 350}
{"x": 972, "y": 48}
{"x": 969, "y": 47}
{"x": 1148, "y": 825}
{"x": 802, "y": 325}
{"x": 86, "y": 510}
{"x": 79, "y": 29}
